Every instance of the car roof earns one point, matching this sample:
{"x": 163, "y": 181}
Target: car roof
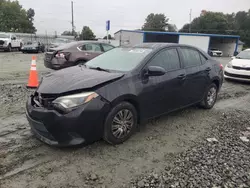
{"x": 87, "y": 41}
{"x": 154, "y": 46}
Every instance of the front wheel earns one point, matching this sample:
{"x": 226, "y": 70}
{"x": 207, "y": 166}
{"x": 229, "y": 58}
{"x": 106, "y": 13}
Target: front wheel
{"x": 210, "y": 97}
{"x": 120, "y": 123}
{"x": 9, "y": 48}
{"x": 20, "y": 48}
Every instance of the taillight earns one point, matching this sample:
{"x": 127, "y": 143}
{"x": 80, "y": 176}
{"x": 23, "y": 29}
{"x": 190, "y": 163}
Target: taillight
{"x": 221, "y": 67}
{"x": 62, "y": 55}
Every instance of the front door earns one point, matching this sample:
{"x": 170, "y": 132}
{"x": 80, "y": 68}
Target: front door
{"x": 160, "y": 94}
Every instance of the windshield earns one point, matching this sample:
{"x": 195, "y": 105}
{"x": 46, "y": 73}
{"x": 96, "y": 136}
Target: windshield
{"x": 243, "y": 55}
{"x": 120, "y": 59}
{"x": 2, "y": 35}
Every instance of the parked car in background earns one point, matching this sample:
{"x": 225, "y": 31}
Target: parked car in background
{"x": 109, "y": 95}
{"x": 215, "y": 52}
{"x": 34, "y": 47}
{"x": 9, "y": 42}
{"x": 239, "y": 67}
{"x": 74, "y": 53}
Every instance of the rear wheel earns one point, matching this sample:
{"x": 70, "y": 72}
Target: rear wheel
{"x": 120, "y": 123}
{"x": 20, "y": 48}
{"x": 210, "y": 97}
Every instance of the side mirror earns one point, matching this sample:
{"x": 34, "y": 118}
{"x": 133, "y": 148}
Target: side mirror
{"x": 155, "y": 71}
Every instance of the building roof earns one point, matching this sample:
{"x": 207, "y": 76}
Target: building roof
{"x": 240, "y": 42}
{"x": 179, "y": 33}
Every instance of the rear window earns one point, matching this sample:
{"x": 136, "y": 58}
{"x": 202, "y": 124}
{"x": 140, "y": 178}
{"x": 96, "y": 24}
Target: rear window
{"x": 191, "y": 57}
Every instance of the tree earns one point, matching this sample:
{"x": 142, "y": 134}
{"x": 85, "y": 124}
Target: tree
{"x": 155, "y": 22}
{"x": 13, "y": 18}
{"x": 69, "y": 33}
{"x": 210, "y": 22}
{"x": 109, "y": 37}
{"x": 172, "y": 28}
{"x": 219, "y": 23}
{"x": 87, "y": 34}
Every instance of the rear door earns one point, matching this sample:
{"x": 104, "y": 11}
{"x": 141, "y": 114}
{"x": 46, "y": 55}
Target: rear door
{"x": 195, "y": 78}
{"x": 90, "y": 50}
{"x": 162, "y": 93}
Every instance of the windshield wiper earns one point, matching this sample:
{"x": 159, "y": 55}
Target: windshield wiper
{"x": 99, "y": 69}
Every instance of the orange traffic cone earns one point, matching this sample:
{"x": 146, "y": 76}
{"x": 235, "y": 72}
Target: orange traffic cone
{"x": 33, "y": 78}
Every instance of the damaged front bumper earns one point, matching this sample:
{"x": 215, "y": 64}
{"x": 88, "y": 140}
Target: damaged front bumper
{"x": 80, "y": 126}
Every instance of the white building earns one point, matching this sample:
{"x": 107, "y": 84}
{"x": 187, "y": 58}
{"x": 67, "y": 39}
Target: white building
{"x": 228, "y": 44}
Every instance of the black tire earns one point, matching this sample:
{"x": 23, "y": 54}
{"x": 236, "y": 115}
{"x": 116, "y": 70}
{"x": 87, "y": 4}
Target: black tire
{"x": 206, "y": 103}
{"x": 9, "y": 48}
{"x": 108, "y": 125}
{"x": 20, "y": 48}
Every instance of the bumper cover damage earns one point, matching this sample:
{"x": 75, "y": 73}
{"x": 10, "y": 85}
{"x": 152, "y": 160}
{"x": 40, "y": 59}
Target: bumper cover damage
{"x": 81, "y": 126}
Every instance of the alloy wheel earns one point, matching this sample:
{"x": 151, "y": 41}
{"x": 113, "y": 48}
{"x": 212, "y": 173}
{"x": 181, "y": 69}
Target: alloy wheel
{"x": 211, "y": 96}
{"x": 122, "y": 123}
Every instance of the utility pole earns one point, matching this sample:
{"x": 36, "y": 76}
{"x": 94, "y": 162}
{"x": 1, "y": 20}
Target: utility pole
{"x": 190, "y": 20}
{"x": 72, "y": 11}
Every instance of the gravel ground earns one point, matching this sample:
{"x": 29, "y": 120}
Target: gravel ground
{"x": 189, "y": 148}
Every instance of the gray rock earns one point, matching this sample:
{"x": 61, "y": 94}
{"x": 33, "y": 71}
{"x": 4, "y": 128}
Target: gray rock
{"x": 93, "y": 177}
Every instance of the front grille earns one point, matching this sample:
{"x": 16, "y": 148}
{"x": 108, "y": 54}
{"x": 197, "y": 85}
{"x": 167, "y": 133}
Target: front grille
{"x": 1, "y": 42}
{"x": 241, "y": 68}
{"x": 44, "y": 100}
{"x": 237, "y": 75}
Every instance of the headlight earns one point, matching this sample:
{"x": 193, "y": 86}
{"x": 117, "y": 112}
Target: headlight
{"x": 229, "y": 65}
{"x": 71, "y": 101}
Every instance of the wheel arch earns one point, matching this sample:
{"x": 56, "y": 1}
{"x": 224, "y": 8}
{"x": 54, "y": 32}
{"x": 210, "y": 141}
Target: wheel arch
{"x": 216, "y": 81}
{"x": 132, "y": 99}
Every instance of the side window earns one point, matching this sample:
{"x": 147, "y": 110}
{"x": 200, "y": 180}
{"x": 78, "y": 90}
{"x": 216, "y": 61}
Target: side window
{"x": 203, "y": 59}
{"x": 107, "y": 47}
{"x": 191, "y": 57}
{"x": 168, "y": 59}
{"x": 91, "y": 48}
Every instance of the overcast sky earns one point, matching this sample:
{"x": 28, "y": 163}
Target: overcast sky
{"x": 55, "y": 15}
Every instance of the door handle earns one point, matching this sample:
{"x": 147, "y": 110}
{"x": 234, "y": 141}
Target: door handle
{"x": 182, "y": 77}
{"x": 208, "y": 69}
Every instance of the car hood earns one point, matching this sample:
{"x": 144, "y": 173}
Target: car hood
{"x": 241, "y": 62}
{"x": 74, "y": 78}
